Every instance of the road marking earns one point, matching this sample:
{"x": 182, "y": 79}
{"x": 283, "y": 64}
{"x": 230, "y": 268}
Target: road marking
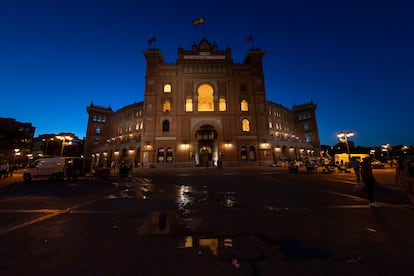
{"x": 53, "y": 213}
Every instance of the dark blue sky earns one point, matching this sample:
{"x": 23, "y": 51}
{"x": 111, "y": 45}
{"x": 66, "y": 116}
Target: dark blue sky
{"x": 353, "y": 58}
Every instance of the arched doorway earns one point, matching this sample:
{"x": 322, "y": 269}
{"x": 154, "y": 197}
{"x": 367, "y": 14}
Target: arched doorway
{"x": 206, "y": 137}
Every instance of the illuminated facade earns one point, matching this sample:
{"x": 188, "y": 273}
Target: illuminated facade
{"x": 201, "y": 109}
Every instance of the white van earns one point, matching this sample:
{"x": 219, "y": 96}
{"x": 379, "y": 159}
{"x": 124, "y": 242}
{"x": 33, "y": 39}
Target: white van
{"x": 54, "y": 168}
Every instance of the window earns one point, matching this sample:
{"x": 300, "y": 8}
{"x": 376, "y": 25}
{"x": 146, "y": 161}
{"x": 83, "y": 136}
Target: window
{"x": 98, "y": 130}
{"x": 205, "y": 98}
{"x": 165, "y": 125}
{"x": 306, "y": 127}
{"x": 166, "y": 107}
{"x": 189, "y": 105}
{"x": 96, "y": 141}
{"x": 169, "y": 154}
{"x": 160, "y": 155}
{"x": 308, "y": 138}
{"x": 222, "y": 104}
{"x": 167, "y": 88}
{"x": 244, "y": 106}
{"x": 270, "y": 124}
{"x": 245, "y": 125}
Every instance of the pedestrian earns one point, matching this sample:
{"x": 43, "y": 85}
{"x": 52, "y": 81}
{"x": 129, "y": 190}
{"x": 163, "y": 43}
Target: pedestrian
{"x": 405, "y": 177}
{"x": 11, "y": 170}
{"x": 369, "y": 181}
{"x": 357, "y": 168}
{"x": 2, "y": 170}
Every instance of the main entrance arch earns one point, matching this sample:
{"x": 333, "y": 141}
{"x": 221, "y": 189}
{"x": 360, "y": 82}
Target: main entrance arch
{"x": 207, "y": 150}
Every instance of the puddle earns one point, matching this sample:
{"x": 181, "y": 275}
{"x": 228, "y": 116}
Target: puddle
{"x": 298, "y": 251}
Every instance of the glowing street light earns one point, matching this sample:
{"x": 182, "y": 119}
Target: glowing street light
{"x": 16, "y": 152}
{"x": 343, "y": 137}
{"x": 64, "y": 139}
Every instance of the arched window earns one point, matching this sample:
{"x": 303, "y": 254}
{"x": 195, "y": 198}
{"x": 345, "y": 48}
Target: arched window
{"x": 243, "y": 153}
{"x": 252, "y": 153}
{"x": 189, "y": 105}
{"x": 160, "y": 155}
{"x": 244, "y": 105}
{"x": 166, "y": 125}
{"x": 222, "y": 104}
{"x": 245, "y": 125}
{"x": 167, "y": 88}
{"x": 306, "y": 127}
{"x": 98, "y": 130}
{"x": 205, "y": 98}
{"x": 308, "y": 138}
{"x": 166, "y": 107}
{"x": 169, "y": 154}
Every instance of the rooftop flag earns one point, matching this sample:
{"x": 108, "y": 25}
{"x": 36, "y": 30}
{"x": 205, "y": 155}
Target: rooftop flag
{"x": 198, "y": 21}
{"x": 151, "y": 40}
{"x": 249, "y": 38}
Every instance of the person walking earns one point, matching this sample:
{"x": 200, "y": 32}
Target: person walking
{"x": 369, "y": 181}
{"x": 357, "y": 168}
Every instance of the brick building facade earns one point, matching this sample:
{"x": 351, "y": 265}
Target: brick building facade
{"x": 202, "y": 109}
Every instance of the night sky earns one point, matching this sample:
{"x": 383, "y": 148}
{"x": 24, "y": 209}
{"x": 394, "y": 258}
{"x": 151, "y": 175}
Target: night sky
{"x": 354, "y": 59}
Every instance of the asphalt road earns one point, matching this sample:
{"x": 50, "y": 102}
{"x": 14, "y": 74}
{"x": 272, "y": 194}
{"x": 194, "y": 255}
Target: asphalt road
{"x": 198, "y": 221}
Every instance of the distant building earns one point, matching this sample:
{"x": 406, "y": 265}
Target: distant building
{"x": 16, "y": 139}
{"x": 54, "y": 145}
{"x": 201, "y": 109}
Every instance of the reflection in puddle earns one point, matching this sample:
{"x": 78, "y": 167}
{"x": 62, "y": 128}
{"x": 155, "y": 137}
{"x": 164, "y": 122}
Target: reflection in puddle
{"x": 157, "y": 223}
{"x": 229, "y": 199}
{"x": 187, "y": 196}
{"x": 213, "y": 244}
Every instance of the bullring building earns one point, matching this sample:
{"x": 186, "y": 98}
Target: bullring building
{"x": 199, "y": 110}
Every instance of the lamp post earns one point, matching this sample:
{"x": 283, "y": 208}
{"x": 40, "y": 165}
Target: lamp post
{"x": 343, "y": 137}
{"x": 16, "y": 152}
{"x": 63, "y": 139}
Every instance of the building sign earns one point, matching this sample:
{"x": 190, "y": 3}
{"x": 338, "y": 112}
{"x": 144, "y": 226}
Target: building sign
{"x": 204, "y": 56}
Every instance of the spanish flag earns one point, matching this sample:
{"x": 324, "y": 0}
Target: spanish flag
{"x": 198, "y": 21}
{"x": 151, "y": 40}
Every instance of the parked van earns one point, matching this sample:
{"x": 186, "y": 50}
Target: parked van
{"x": 55, "y": 168}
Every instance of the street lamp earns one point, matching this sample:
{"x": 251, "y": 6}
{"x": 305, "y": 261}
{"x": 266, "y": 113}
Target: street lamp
{"x": 63, "y": 139}
{"x": 343, "y": 137}
{"x": 16, "y": 152}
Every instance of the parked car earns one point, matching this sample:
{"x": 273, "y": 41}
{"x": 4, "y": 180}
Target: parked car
{"x": 376, "y": 164}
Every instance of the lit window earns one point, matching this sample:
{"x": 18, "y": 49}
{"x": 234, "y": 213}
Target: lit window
{"x": 245, "y": 125}
{"x": 222, "y": 104}
{"x": 166, "y": 106}
{"x": 270, "y": 125}
{"x": 205, "y": 98}
{"x": 244, "y": 105}
{"x": 141, "y": 125}
{"x": 189, "y": 105}
{"x": 167, "y": 88}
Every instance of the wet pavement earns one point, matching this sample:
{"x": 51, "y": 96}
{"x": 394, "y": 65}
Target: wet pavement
{"x": 197, "y": 221}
